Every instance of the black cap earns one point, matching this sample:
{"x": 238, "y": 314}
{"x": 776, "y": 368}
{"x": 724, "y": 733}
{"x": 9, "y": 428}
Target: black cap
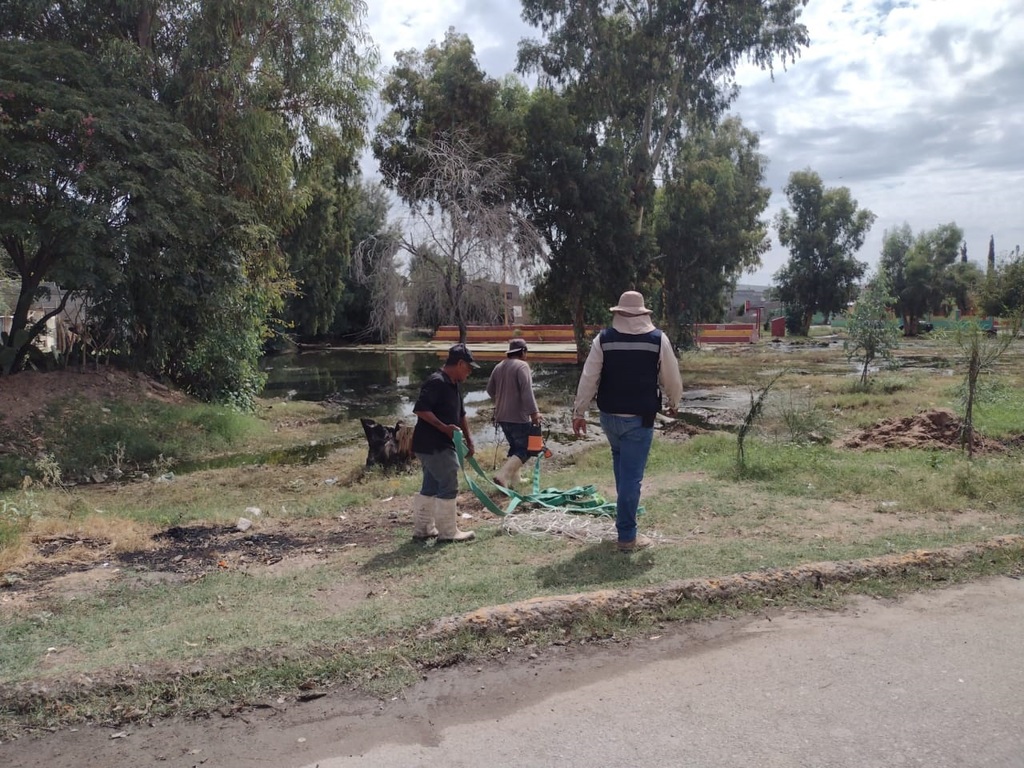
{"x": 461, "y": 352}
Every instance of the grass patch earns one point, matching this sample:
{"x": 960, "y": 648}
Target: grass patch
{"x": 349, "y": 605}
{"x": 106, "y": 435}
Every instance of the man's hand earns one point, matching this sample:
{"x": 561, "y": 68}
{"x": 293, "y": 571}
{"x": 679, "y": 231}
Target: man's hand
{"x": 466, "y": 439}
{"x": 579, "y": 427}
{"x": 671, "y": 411}
{"x": 535, "y": 418}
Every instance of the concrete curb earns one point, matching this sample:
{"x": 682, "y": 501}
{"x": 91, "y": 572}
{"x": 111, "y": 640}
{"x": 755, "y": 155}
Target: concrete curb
{"x": 540, "y": 612}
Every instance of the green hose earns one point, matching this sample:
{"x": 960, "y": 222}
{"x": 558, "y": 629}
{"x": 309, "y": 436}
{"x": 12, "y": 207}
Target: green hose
{"x": 583, "y": 499}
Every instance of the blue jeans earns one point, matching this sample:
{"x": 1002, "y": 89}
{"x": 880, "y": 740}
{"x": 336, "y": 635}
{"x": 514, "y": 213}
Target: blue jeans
{"x": 631, "y": 443}
{"x": 440, "y": 474}
{"x": 517, "y": 435}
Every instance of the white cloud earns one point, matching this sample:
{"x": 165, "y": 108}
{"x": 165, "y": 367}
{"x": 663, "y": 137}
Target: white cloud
{"x": 912, "y": 104}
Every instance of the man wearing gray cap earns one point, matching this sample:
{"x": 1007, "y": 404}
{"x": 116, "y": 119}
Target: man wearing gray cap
{"x": 629, "y": 366}
{"x": 439, "y": 412}
{"x": 515, "y": 408}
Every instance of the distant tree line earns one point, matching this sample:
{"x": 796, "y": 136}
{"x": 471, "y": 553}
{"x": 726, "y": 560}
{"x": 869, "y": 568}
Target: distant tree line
{"x": 191, "y": 170}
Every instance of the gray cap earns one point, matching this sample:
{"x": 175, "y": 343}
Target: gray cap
{"x": 516, "y": 345}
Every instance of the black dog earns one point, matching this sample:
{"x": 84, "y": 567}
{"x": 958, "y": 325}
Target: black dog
{"x": 388, "y": 446}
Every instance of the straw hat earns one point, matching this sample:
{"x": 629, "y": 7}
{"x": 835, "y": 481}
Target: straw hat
{"x": 631, "y": 303}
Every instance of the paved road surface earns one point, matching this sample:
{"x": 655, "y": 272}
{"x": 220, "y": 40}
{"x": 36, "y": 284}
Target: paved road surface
{"x": 934, "y": 680}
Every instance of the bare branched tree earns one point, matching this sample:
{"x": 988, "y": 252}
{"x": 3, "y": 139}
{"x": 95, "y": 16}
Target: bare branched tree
{"x": 466, "y": 235}
{"x": 374, "y": 266}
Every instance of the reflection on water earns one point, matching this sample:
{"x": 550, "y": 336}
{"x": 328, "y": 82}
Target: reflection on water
{"x": 383, "y": 385}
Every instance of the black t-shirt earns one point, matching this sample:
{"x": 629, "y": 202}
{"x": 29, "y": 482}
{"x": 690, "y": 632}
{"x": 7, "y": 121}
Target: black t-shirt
{"x": 442, "y": 397}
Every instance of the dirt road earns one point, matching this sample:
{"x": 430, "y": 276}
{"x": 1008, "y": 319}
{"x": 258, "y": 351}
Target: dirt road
{"x": 935, "y": 679}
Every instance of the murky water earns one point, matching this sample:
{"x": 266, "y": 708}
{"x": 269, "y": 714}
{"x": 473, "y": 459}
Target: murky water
{"x": 383, "y": 385}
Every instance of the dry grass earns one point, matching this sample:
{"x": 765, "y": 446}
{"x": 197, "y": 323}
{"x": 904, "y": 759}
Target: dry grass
{"x": 329, "y": 565}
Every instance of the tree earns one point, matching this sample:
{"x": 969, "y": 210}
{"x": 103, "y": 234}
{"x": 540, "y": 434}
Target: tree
{"x": 707, "y": 223}
{"x": 979, "y": 351}
{"x": 643, "y": 71}
{"x": 823, "y": 231}
{"x": 871, "y": 330}
{"x": 573, "y": 187}
{"x": 88, "y": 169}
{"x": 250, "y": 82}
{"x": 442, "y": 147}
{"x": 920, "y": 270}
{"x": 373, "y": 287}
{"x": 963, "y": 280}
{"x": 435, "y": 96}
{"x": 319, "y": 241}
{"x": 1002, "y": 292}
{"x": 466, "y": 231}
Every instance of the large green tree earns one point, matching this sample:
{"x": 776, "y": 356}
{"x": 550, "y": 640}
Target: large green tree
{"x": 573, "y": 187}
{"x": 707, "y": 222}
{"x": 252, "y": 81}
{"x": 1002, "y": 291}
{"x": 431, "y": 96}
{"x": 442, "y": 146}
{"x": 921, "y": 270}
{"x": 89, "y": 171}
{"x": 642, "y": 71}
{"x": 318, "y": 242}
{"x": 823, "y": 230}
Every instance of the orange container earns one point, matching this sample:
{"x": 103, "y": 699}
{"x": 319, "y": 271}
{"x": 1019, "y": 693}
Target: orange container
{"x": 535, "y": 441}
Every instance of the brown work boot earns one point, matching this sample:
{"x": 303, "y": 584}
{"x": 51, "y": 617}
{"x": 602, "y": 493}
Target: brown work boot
{"x": 640, "y": 542}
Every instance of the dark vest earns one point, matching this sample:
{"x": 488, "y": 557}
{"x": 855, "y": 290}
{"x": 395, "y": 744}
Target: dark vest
{"x": 629, "y": 376}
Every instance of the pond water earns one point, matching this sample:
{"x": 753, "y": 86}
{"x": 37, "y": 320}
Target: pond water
{"x": 383, "y": 385}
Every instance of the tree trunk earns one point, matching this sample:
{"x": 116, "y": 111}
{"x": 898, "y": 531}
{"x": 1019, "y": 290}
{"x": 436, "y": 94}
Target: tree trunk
{"x": 579, "y": 331}
{"x": 17, "y": 342}
{"x": 805, "y": 324}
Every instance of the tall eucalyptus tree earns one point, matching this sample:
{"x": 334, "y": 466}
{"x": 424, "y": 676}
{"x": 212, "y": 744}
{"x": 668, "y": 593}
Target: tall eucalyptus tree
{"x": 444, "y": 147}
{"x": 649, "y": 68}
{"x": 823, "y": 230}
{"x": 708, "y": 223}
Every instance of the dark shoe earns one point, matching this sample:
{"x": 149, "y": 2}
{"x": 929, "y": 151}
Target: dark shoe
{"x": 640, "y": 542}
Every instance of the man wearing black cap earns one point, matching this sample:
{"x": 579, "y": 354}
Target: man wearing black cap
{"x": 515, "y": 408}
{"x": 439, "y": 412}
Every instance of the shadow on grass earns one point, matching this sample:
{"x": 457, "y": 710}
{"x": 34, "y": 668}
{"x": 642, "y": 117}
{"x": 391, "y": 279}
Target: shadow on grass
{"x": 404, "y": 554}
{"x": 408, "y": 552}
{"x": 597, "y": 564}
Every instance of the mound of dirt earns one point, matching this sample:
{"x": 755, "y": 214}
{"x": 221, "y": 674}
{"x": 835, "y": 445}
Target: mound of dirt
{"x": 27, "y": 396}
{"x": 935, "y": 429}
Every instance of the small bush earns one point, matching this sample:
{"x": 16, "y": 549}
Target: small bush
{"x": 801, "y": 419}
{"x": 14, "y": 521}
{"x": 13, "y": 470}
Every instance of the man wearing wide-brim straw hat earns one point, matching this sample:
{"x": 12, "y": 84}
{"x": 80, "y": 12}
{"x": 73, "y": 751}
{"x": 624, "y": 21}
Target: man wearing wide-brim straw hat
{"x": 629, "y": 366}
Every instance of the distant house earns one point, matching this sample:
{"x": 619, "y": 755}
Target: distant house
{"x": 60, "y": 332}
{"x": 749, "y": 297}
{"x": 513, "y": 311}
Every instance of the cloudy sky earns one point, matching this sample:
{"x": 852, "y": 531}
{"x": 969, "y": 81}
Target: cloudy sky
{"x": 917, "y": 106}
